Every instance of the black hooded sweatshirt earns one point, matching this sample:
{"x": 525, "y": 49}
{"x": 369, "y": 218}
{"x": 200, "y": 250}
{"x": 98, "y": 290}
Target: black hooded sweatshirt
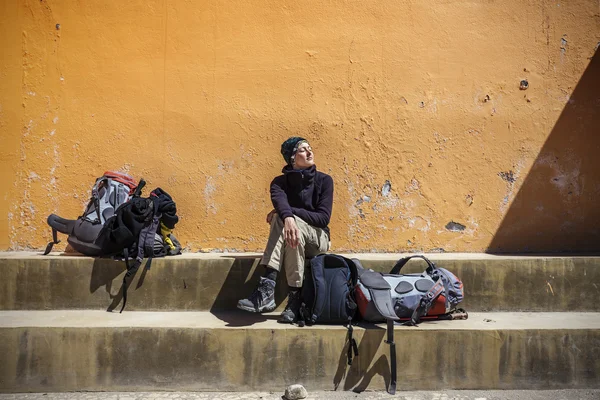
{"x": 306, "y": 193}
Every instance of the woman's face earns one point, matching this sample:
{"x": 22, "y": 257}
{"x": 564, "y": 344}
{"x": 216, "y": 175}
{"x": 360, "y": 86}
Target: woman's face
{"x": 305, "y": 158}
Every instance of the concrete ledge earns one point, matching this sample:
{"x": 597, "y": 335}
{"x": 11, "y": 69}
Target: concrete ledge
{"x": 99, "y": 351}
{"x": 243, "y": 320}
{"x": 215, "y": 281}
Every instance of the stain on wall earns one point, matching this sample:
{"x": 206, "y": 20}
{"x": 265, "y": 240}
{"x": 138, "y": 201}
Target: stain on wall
{"x": 417, "y": 110}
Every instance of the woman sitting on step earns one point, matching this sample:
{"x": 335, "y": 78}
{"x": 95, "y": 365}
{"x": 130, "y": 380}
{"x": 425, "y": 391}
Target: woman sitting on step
{"x": 302, "y": 199}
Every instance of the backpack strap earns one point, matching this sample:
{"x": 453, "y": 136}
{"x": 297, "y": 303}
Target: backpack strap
{"x": 317, "y": 266}
{"x": 426, "y": 302}
{"x": 145, "y": 243}
{"x": 383, "y": 302}
{"x": 96, "y": 195}
{"x": 138, "y": 190}
{"x": 352, "y": 347}
{"x": 131, "y": 270}
{"x": 52, "y": 243}
{"x": 390, "y": 341}
{"x": 382, "y": 299}
{"x": 402, "y": 262}
{"x": 357, "y": 264}
{"x": 61, "y": 225}
{"x": 380, "y": 293}
{"x": 446, "y": 283}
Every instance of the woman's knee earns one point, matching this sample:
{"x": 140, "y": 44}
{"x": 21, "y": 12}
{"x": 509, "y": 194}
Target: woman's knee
{"x": 276, "y": 220}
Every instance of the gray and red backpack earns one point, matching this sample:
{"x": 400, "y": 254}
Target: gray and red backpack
{"x": 433, "y": 294}
{"x": 109, "y": 192}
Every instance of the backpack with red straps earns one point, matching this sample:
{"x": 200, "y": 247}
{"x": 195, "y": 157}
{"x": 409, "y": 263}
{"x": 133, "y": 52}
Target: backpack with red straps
{"x": 433, "y": 294}
{"x": 110, "y": 191}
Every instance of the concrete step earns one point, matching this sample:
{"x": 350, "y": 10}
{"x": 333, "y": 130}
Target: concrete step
{"x": 54, "y": 351}
{"x": 202, "y": 282}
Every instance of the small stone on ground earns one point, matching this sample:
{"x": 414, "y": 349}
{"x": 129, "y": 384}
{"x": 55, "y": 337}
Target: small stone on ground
{"x": 295, "y": 392}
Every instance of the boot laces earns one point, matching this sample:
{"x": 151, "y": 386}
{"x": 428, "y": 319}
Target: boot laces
{"x": 261, "y": 293}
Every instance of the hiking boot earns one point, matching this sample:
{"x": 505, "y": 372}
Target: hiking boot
{"x": 262, "y": 299}
{"x": 292, "y": 309}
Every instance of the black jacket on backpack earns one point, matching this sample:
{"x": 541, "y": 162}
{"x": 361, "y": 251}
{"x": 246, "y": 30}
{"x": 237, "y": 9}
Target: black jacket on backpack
{"x": 166, "y": 207}
{"x": 123, "y": 230}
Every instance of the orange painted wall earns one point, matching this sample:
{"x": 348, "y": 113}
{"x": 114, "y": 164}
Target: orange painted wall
{"x": 196, "y": 97}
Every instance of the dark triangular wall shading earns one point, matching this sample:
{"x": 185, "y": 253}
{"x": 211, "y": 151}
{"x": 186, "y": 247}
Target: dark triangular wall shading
{"x": 557, "y": 209}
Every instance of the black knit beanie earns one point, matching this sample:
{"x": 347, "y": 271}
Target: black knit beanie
{"x": 289, "y": 148}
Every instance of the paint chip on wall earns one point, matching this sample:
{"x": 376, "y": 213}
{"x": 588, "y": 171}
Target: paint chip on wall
{"x": 455, "y": 226}
{"x": 387, "y": 187}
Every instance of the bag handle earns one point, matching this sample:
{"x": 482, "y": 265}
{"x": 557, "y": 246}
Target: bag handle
{"x": 402, "y": 262}
{"x": 138, "y": 190}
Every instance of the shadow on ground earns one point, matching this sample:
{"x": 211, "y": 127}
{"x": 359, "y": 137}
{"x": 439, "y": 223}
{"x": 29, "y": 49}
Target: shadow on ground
{"x": 358, "y": 376}
{"x": 241, "y": 280}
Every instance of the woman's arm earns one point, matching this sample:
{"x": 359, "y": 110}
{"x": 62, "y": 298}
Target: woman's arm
{"x": 279, "y": 198}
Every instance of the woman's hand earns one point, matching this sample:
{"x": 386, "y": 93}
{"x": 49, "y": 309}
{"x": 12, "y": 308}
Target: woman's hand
{"x": 291, "y": 233}
{"x": 270, "y": 216}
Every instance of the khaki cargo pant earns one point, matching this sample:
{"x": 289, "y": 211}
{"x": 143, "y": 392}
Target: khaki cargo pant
{"x": 312, "y": 242}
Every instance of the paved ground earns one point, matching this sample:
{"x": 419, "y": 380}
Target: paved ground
{"x": 580, "y": 394}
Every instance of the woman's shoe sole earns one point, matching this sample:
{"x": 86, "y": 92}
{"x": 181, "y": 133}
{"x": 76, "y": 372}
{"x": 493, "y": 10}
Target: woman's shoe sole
{"x": 266, "y": 308}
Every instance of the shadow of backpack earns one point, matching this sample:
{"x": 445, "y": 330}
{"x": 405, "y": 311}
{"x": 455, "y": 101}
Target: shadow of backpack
{"x": 430, "y": 295}
{"x": 109, "y": 192}
{"x": 327, "y": 295}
